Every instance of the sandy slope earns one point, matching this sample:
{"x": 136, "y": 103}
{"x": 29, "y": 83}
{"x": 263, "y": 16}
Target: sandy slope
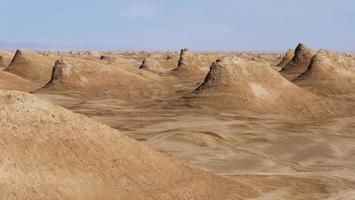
{"x": 32, "y": 66}
{"x": 51, "y": 153}
{"x": 5, "y": 58}
{"x": 282, "y": 156}
{"x": 9, "y": 81}
{"x": 159, "y": 63}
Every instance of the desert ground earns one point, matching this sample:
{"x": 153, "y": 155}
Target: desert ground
{"x": 177, "y": 124}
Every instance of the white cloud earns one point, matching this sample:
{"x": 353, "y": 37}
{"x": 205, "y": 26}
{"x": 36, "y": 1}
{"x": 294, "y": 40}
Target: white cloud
{"x": 139, "y": 10}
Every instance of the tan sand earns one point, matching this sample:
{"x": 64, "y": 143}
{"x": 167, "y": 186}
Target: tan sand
{"x": 256, "y": 134}
{"x": 51, "y": 153}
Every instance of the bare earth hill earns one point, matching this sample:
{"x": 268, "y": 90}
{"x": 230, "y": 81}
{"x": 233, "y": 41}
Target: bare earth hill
{"x": 94, "y": 77}
{"x": 32, "y": 66}
{"x": 5, "y": 58}
{"x": 287, "y": 58}
{"x": 159, "y": 63}
{"x": 299, "y": 63}
{"x": 329, "y": 74}
{"x": 235, "y": 82}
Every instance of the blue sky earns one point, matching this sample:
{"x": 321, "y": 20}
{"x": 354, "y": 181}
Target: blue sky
{"x": 197, "y": 24}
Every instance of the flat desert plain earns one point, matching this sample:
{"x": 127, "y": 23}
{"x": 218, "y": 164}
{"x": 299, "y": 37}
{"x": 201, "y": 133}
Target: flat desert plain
{"x": 177, "y": 125}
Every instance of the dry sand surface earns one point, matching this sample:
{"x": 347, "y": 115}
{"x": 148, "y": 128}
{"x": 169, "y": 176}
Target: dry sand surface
{"x": 178, "y": 125}
{"x": 48, "y": 152}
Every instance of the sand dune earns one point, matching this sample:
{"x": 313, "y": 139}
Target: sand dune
{"x": 329, "y": 74}
{"x": 51, "y": 153}
{"x": 299, "y": 63}
{"x": 5, "y": 58}
{"x": 32, "y": 66}
{"x": 159, "y": 63}
{"x": 253, "y": 86}
{"x": 188, "y": 64}
{"x": 10, "y": 81}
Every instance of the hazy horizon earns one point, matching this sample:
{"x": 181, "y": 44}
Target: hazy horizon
{"x": 159, "y": 25}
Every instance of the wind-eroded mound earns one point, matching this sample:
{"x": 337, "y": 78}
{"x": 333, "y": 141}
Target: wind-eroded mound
{"x": 287, "y": 58}
{"x": 329, "y": 74}
{"x": 90, "y": 76}
{"x": 299, "y": 63}
{"x": 234, "y": 82}
{"x": 186, "y": 64}
{"x": 159, "y": 63}
{"x": 32, "y": 66}
{"x": 48, "y": 152}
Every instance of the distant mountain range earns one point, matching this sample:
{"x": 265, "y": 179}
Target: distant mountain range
{"x": 25, "y": 45}
{"x": 37, "y": 46}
